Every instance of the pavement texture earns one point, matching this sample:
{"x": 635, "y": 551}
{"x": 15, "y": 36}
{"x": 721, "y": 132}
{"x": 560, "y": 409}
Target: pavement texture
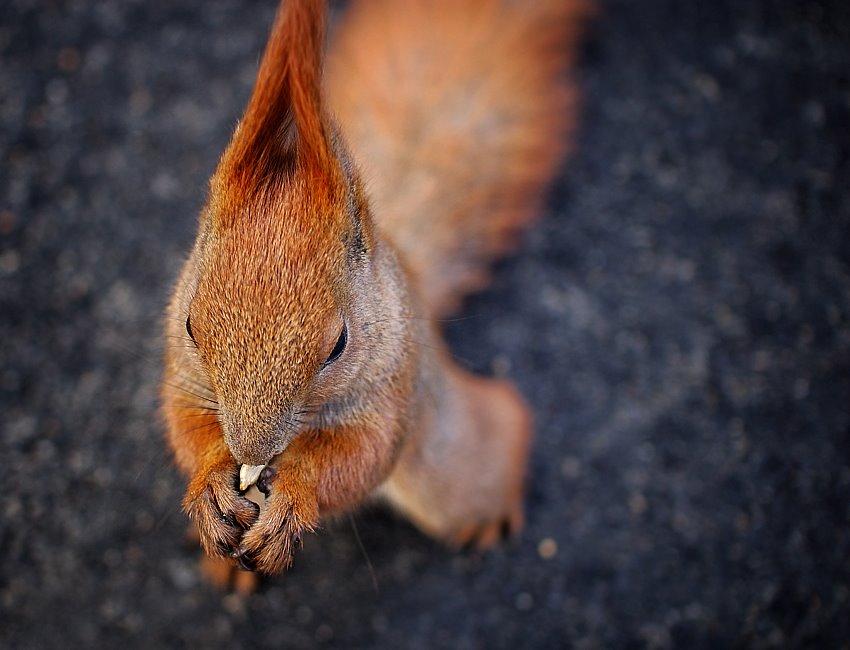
{"x": 679, "y": 317}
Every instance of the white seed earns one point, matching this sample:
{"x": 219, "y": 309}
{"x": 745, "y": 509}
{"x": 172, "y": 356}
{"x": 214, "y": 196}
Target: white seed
{"x": 248, "y": 475}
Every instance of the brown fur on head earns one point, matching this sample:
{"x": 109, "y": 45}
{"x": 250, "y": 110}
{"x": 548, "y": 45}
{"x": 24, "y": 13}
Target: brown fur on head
{"x": 285, "y": 224}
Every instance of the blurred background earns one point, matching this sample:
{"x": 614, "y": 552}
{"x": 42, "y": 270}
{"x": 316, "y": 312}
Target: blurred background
{"x": 679, "y": 317}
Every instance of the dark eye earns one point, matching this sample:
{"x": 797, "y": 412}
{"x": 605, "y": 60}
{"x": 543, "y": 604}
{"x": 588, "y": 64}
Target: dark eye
{"x": 339, "y": 347}
{"x": 189, "y": 329}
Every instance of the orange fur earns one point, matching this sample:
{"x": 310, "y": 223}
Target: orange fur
{"x": 300, "y": 305}
{"x": 459, "y": 113}
{"x": 284, "y": 121}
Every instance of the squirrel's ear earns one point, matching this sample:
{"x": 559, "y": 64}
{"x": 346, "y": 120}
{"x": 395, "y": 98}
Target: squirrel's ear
{"x": 283, "y": 126}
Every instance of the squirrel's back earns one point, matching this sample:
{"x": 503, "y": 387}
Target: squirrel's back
{"x": 459, "y": 113}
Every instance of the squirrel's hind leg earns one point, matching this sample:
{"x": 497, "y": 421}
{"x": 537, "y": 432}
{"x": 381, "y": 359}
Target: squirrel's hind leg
{"x": 461, "y": 477}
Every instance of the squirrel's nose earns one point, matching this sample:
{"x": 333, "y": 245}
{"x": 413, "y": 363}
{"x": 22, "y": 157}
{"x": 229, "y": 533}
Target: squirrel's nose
{"x": 249, "y": 455}
{"x": 250, "y": 445}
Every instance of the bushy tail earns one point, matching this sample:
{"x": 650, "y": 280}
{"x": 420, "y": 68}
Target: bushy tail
{"x": 459, "y": 112}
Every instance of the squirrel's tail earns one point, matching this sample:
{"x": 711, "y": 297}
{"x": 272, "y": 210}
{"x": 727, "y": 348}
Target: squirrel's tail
{"x": 459, "y": 112}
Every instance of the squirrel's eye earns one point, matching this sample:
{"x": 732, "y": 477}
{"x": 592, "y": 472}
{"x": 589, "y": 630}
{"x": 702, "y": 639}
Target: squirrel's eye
{"x": 189, "y": 329}
{"x": 339, "y": 347}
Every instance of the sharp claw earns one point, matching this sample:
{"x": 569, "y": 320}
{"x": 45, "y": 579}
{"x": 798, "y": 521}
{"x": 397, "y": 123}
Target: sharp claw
{"x": 244, "y": 560}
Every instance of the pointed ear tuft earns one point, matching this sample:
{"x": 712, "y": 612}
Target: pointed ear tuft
{"x": 284, "y": 124}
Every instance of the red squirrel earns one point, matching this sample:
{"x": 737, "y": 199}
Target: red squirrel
{"x": 355, "y": 205}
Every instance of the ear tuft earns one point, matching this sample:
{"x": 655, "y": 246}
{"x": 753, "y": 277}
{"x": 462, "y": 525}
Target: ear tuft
{"x": 284, "y": 126}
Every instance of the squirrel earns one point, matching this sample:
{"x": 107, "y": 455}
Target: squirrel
{"x": 363, "y": 194}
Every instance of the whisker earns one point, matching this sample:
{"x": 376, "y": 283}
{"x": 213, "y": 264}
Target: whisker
{"x": 197, "y": 415}
{"x": 426, "y": 319}
{"x": 200, "y": 427}
{"x": 363, "y": 551}
{"x": 193, "y": 394}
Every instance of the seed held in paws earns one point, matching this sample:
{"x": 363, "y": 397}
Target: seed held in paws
{"x": 248, "y": 475}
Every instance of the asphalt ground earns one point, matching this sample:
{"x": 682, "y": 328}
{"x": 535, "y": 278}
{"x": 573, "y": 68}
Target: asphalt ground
{"x": 679, "y": 317}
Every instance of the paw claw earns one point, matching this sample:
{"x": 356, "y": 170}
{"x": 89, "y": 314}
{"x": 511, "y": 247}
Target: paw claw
{"x": 224, "y": 547}
{"x": 219, "y": 512}
{"x": 244, "y": 559}
{"x": 233, "y": 527}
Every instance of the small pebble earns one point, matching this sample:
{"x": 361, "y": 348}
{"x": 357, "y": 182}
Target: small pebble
{"x": 234, "y": 604}
{"x": 68, "y": 59}
{"x": 524, "y": 602}
{"x": 547, "y": 548}
{"x": 637, "y": 503}
{"x": 303, "y": 614}
{"x": 571, "y": 468}
{"x": 324, "y": 633}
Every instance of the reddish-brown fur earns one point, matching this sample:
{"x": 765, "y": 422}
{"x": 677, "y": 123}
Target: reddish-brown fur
{"x": 459, "y": 114}
{"x": 457, "y": 142}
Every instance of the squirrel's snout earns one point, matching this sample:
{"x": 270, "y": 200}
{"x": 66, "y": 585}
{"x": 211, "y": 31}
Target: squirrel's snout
{"x": 251, "y": 446}
{"x": 250, "y": 456}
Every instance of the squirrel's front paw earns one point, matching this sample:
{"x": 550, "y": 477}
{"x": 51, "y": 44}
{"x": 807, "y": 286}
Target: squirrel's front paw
{"x": 291, "y": 511}
{"x": 221, "y": 514}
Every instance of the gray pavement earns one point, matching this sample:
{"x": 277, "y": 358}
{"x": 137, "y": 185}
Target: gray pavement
{"x": 679, "y": 317}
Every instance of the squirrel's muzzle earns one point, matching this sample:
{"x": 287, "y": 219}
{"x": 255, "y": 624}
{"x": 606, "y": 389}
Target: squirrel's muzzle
{"x": 253, "y": 444}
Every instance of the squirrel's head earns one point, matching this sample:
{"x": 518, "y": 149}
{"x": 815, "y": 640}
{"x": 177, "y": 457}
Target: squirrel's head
{"x": 283, "y": 244}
